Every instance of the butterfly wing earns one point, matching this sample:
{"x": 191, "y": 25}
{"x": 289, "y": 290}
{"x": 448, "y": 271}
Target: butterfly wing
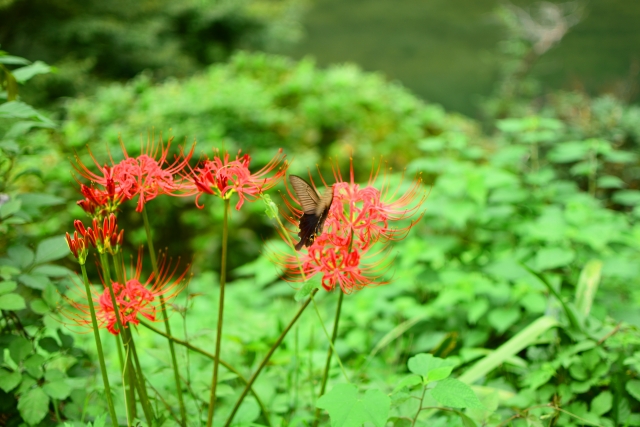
{"x": 315, "y": 210}
{"x": 307, "y": 196}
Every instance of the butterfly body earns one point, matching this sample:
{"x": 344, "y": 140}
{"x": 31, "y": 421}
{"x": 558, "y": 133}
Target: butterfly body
{"x": 315, "y": 210}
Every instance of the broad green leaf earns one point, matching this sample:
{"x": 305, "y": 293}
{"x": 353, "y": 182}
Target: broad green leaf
{"x": 521, "y": 340}
{"x": 620, "y": 156}
{"x": 33, "y": 405}
{"x": 13, "y": 60}
{"x": 20, "y": 110}
{"x": 503, "y": 318}
{"x": 49, "y": 344}
{"x": 57, "y": 389}
{"x": 51, "y": 270}
{"x": 429, "y": 367}
{"x": 610, "y": 181}
{"x": 602, "y": 403}
{"x": 19, "y": 349}
{"x": 569, "y": 152}
{"x": 33, "y": 365}
{"x": 588, "y": 286}
{"x": 10, "y": 207}
{"x": 347, "y": 409}
{"x": 9, "y": 380}
{"x": 25, "y": 73}
{"x": 7, "y": 286}
{"x": 22, "y": 256}
{"x": 456, "y": 394}
{"x": 305, "y": 291}
{"x": 34, "y": 281}
{"x": 550, "y": 258}
{"x": 38, "y": 306}
{"x": 51, "y": 249}
{"x": 36, "y": 200}
{"x": 627, "y": 197}
{"x": 12, "y": 302}
{"x": 408, "y": 381}
{"x": 633, "y": 387}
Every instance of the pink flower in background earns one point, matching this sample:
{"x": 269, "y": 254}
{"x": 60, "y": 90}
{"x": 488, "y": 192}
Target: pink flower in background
{"x": 222, "y": 177}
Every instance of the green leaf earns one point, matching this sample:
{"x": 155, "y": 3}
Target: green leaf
{"x": 49, "y": 345}
{"x": 12, "y": 302}
{"x": 58, "y": 389}
{"x": 37, "y": 200}
{"x": 429, "y": 367}
{"x": 13, "y": 60}
{"x": 51, "y": 270}
{"x": 52, "y": 249}
{"x": 51, "y": 295}
{"x": 9, "y": 380}
{"x": 34, "y": 281}
{"x": 503, "y": 318}
{"x": 10, "y": 207}
{"x": 456, "y": 394}
{"x": 633, "y": 387}
{"x": 306, "y": 289}
{"x": 627, "y": 197}
{"x": 33, "y": 406}
{"x": 569, "y": 152}
{"x": 7, "y": 286}
{"x": 409, "y": 381}
{"x": 19, "y": 349}
{"x": 550, "y": 258}
{"x": 521, "y": 340}
{"x": 33, "y": 365}
{"x": 610, "y": 181}
{"x": 347, "y": 409}
{"x": 588, "y": 286}
{"x": 602, "y": 403}
{"x": 20, "y": 110}
{"x": 25, "y": 73}
{"x": 21, "y": 255}
{"x": 38, "y": 306}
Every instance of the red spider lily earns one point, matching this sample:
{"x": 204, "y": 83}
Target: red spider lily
{"x": 359, "y": 218}
{"x": 105, "y": 237}
{"x": 133, "y": 298}
{"x": 101, "y": 203}
{"x": 223, "y": 177}
{"x": 146, "y": 176}
{"x": 78, "y": 247}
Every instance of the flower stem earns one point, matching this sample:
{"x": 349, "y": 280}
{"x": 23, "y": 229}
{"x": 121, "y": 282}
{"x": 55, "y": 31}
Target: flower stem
{"x": 267, "y": 357}
{"x": 212, "y": 357}
{"x": 174, "y": 360}
{"x": 344, "y": 372}
{"x": 96, "y": 336}
{"x": 130, "y": 398}
{"x": 325, "y": 375}
{"x": 141, "y": 385}
{"x": 223, "y": 279}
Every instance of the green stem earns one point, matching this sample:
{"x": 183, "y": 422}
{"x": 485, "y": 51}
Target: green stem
{"x": 174, "y": 360}
{"x": 267, "y": 357}
{"x": 327, "y": 365}
{"x": 96, "y": 336}
{"x": 212, "y": 357}
{"x": 344, "y": 372}
{"x": 141, "y": 385}
{"x": 129, "y": 391}
{"x": 223, "y": 279}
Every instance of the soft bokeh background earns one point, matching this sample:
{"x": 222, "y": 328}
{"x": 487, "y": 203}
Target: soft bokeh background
{"x": 522, "y": 119}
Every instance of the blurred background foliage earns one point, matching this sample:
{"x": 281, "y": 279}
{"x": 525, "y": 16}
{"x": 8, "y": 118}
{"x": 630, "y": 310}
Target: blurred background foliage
{"x": 533, "y": 211}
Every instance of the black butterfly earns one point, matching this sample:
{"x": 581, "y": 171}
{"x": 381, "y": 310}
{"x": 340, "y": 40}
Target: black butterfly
{"x": 315, "y": 210}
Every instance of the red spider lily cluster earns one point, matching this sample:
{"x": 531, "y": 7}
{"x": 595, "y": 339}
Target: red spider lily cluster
{"x": 223, "y": 177}
{"x": 133, "y": 298}
{"x": 146, "y": 176}
{"x": 359, "y": 218}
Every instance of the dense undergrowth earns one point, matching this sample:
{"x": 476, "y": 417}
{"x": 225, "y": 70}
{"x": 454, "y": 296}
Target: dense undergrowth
{"x": 522, "y": 274}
